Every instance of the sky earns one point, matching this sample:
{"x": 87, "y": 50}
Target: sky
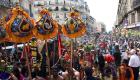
{"x": 104, "y": 11}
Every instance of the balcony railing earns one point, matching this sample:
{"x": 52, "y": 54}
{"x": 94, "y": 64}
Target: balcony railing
{"x": 136, "y": 3}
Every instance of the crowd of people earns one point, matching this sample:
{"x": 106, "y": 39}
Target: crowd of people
{"x": 105, "y": 60}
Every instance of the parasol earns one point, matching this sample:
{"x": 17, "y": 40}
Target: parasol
{"x": 20, "y": 26}
{"x": 47, "y": 28}
{"x": 73, "y": 26}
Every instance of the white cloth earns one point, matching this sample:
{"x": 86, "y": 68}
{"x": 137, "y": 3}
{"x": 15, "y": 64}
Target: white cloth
{"x": 134, "y": 61}
{"x": 124, "y": 55}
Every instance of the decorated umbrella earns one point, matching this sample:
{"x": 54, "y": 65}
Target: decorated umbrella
{"x": 20, "y": 26}
{"x": 46, "y": 28}
{"x": 20, "y": 29}
{"x": 73, "y": 28}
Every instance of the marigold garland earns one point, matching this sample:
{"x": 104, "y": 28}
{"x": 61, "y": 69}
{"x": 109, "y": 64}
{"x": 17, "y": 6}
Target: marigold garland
{"x": 46, "y": 27}
{"x": 74, "y": 27}
{"x": 19, "y": 27}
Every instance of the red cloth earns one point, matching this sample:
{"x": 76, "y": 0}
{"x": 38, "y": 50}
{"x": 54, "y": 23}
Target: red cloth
{"x": 59, "y": 45}
{"x": 67, "y": 57}
{"x": 26, "y": 49}
{"x": 109, "y": 58}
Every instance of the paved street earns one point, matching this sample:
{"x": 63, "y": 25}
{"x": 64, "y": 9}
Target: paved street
{"x": 69, "y": 39}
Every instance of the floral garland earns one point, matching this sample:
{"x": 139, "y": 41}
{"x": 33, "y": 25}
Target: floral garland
{"x": 46, "y": 27}
{"x": 20, "y": 26}
{"x": 74, "y": 27}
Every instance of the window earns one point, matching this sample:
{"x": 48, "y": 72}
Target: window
{"x": 132, "y": 18}
{"x": 56, "y": 8}
{"x": 38, "y": 3}
{"x": 56, "y": 2}
{"x": 65, "y": 15}
{"x": 138, "y": 15}
{"x": 64, "y": 9}
{"x": 50, "y": 9}
{"x": 57, "y": 16}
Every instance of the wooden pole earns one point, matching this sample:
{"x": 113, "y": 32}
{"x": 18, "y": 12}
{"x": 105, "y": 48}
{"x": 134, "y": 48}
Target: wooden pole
{"x": 4, "y": 45}
{"x": 71, "y": 63}
{"x": 71, "y": 52}
{"x": 26, "y": 55}
{"x": 54, "y": 56}
{"x": 48, "y": 60}
{"x": 16, "y": 47}
{"x": 54, "y": 53}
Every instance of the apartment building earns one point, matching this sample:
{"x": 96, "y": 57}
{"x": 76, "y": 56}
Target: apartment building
{"x": 128, "y": 15}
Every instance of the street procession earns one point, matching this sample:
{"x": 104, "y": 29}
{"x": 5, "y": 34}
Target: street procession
{"x": 61, "y": 40}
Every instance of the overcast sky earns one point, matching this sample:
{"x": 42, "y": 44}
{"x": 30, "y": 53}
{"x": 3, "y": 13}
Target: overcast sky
{"x": 104, "y": 11}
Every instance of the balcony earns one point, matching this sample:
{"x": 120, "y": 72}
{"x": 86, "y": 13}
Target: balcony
{"x": 4, "y": 3}
{"x": 136, "y": 4}
{"x": 64, "y": 9}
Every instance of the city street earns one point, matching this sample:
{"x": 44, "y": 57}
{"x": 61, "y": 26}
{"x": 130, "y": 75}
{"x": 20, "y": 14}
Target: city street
{"x": 69, "y": 39}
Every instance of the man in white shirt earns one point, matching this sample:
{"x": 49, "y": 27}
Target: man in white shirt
{"x": 134, "y": 63}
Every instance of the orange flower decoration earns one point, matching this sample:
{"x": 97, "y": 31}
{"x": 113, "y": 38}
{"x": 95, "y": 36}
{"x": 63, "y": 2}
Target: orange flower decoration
{"x": 46, "y": 27}
{"x": 74, "y": 27}
{"x": 20, "y": 26}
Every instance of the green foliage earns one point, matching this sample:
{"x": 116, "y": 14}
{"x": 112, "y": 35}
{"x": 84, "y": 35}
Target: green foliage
{"x": 88, "y": 48}
{"x": 6, "y": 69}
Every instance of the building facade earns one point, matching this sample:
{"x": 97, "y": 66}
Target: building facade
{"x": 128, "y": 15}
{"x": 101, "y": 27}
{"x": 60, "y": 11}
{"x": 4, "y": 6}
